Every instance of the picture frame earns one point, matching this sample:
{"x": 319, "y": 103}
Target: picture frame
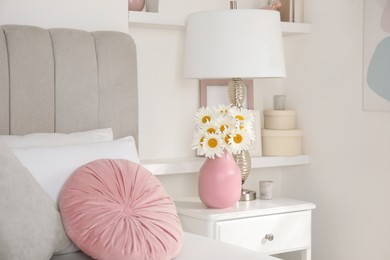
{"x": 213, "y": 92}
{"x": 256, "y": 146}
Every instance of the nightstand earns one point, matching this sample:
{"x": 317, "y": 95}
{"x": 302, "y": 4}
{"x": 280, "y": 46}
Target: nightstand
{"x": 267, "y": 226}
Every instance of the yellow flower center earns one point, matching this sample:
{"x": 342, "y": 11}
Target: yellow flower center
{"x": 211, "y": 130}
{"x": 237, "y": 139}
{"x": 205, "y": 119}
{"x": 223, "y": 128}
{"x": 227, "y": 137}
{"x": 240, "y": 117}
{"x": 212, "y": 142}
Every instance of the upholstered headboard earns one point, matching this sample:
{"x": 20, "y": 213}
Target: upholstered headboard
{"x": 65, "y": 80}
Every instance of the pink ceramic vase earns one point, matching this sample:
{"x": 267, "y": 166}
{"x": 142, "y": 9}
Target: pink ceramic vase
{"x": 219, "y": 182}
{"x": 136, "y": 5}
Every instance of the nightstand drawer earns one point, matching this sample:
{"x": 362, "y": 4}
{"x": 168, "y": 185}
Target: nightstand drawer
{"x": 285, "y": 232}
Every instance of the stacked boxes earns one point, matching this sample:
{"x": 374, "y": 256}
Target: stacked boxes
{"x": 280, "y": 136}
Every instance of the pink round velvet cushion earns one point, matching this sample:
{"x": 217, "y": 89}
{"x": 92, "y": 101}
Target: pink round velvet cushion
{"x": 115, "y": 209}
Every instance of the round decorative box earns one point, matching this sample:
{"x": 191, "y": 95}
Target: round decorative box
{"x": 279, "y": 119}
{"x": 282, "y": 142}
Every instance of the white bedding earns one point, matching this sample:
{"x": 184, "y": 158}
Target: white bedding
{"x": 196, "y": 247}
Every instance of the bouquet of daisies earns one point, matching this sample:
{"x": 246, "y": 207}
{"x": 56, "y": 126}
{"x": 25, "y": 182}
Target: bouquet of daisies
{"x": 222, "y": 128}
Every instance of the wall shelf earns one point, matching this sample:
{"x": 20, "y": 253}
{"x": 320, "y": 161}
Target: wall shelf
{"x": 156, "y": 20}
{"x": 175, "y": 21}
{"x": 193, "y": 164}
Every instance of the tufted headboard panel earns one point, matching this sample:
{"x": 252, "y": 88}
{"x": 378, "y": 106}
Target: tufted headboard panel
{"x": 65, "y": 80}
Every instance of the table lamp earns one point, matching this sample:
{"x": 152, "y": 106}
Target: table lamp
{"x": 235, "y": 44}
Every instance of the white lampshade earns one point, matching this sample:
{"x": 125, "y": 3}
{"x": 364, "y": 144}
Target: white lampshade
{"x": 236, "y": 43}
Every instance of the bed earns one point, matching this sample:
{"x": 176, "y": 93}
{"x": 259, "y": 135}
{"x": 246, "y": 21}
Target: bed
{"x": 67, "y": 80}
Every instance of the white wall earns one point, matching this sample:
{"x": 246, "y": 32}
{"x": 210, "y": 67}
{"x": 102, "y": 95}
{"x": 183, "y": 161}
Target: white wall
{"x": 167, "y": 101}
{"x": 349, "y": 172}
{"x": 88, "y": 15}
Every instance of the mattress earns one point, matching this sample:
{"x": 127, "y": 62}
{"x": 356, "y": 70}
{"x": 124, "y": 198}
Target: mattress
{"x": 196, "y": 247}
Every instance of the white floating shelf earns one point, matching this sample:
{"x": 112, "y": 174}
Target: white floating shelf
{"x": 295, "y": 28}
{"x": 175, "y": 21}
{"x": 156, "y": 20}
{"x": 193, "y": 164}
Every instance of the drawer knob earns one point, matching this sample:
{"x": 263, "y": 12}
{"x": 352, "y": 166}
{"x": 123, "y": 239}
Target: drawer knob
{"x": 269, "y": 237}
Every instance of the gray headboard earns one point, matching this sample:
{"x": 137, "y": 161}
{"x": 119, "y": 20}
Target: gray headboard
{"x": 65, "y": 80}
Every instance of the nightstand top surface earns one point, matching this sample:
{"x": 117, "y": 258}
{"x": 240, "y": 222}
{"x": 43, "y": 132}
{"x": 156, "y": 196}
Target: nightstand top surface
{"x": 193, "y": 207}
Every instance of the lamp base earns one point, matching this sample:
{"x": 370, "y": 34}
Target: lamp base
{"x": 247, "y": 195}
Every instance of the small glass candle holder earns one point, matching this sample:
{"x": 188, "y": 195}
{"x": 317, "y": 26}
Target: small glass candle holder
{"x": 279, "y": 102}
{"x": 266, "y": 190}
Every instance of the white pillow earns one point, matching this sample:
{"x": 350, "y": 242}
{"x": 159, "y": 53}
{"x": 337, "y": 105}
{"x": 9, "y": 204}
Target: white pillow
{"x": 52, "y": 165}
{"x": 49, "y": 139}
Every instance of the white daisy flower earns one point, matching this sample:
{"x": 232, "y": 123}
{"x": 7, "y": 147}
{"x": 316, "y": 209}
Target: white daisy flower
{"x": 238, "y": 141}
{"x": 204, "y": 115}
{"x": 242, "y": 114}
{"x": 213, "y": 145}
{"x": 222, "y": 109}
{"x": 248, "y": 127}
{"x": 198, "y": 140}
{"x": 210, "y": 127}
{"x": 226, "y": 122}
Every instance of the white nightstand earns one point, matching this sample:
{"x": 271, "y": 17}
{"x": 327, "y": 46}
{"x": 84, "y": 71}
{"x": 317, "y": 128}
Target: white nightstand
{"x": 267, "y": 226}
